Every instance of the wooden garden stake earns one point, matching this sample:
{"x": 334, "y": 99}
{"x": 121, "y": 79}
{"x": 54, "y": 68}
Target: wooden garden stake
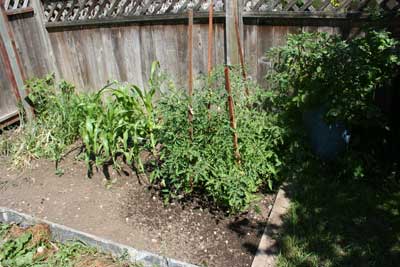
{"x": 232, "y": 115}
{"x": 190, "y": 109}
{"x": 240, "y": 50}
{"x": 210, "y": 48}
{"x": 210, "y": 37}
{"x": 190, "y": 49}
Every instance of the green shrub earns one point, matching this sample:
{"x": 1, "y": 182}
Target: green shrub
{"x": 206, "y": 166}
{"x": 316, "y": 69}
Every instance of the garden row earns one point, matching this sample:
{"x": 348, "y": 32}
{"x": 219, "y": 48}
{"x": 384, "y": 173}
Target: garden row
{"x": 221, "y": 144}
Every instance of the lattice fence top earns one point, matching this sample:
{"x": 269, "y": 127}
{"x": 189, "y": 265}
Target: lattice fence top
{"x": 16, "y": 4}
{"x": 78, "y": 10}
{"x": 332, "y": 6}
{"x": 58, "y": 11}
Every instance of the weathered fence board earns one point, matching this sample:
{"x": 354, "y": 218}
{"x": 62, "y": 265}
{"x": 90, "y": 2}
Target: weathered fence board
{"x": 8, "y": 103}
{"x": 91, "y": 57}
{"x": 89, "y": 42}
{"x": 30, "y": 46}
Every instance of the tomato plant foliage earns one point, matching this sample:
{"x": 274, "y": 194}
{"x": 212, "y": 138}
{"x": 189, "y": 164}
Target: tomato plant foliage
{"x": 206, "y": 166}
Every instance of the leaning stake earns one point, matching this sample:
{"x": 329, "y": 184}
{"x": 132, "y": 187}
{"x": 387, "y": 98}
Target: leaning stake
{"x": 190, "y": 49}
{"x": 210, "y": 37}
{"x": 239, "y": 44}
{"x": 210, "y": 49}
{"x": 232, "y": 115}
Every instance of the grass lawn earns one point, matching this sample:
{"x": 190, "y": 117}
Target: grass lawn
{"x": 32, "y": 247}
{"x": 340, "y": 223}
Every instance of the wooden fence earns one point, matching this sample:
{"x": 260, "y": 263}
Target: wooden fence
{"x": 91, "y": 41}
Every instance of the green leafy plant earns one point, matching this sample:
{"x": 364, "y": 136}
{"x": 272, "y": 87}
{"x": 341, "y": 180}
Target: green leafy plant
{"x": 55, "y": 127}
{"x": 206, "y": 166}
{"x": 343, "y": 76}
{"x": 31, "y": 249}
{"x": 121, "y": 125}
{"x": 117, "y": 122}
{"x": 318, "y": 69}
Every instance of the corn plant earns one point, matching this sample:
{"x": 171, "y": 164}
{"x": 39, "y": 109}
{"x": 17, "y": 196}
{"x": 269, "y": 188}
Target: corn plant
{"x": 121, "y": 126}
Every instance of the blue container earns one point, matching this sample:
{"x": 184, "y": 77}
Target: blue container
{"x": 327, "y": 140}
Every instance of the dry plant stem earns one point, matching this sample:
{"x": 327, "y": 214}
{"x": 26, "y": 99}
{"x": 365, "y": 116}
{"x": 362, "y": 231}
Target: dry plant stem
{"x": 239, "y": 44}
{"x": 232, "y": 115}
{"x": 190, "y": 49}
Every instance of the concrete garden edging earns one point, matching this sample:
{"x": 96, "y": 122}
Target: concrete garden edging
{"x": 268, "y": 249}
{"x": 62, "y": 233}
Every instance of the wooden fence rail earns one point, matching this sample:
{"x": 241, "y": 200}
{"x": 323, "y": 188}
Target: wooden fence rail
{"x": 14, "y": 7}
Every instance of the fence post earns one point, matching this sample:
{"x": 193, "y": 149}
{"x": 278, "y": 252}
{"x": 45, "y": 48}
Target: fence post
{"x": 233, "y": 8}
{"x": 12, "y": 57}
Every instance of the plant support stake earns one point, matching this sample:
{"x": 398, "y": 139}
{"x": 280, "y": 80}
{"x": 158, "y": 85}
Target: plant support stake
{"x": 232, "y": 115}
{"x": 210, "y": 49}
{"x": 190, "y": 59}
{"x": 240, "y": 50}
{"x": 210, "y": 37}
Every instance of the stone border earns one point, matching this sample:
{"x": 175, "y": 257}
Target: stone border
{"x": 267, "y": 249}
{"x": 62, "y": 234}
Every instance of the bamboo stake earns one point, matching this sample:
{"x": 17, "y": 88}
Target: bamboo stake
{"x": 190, "y": 49}
{"x": 231, "y": 106}
{"x": 239, "y": 44}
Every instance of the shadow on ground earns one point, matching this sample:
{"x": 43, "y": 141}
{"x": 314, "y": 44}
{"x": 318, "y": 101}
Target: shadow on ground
{"x": 334, "y": 222}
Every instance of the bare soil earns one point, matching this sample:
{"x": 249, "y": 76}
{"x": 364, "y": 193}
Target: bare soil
{"x": 124, "y": 209}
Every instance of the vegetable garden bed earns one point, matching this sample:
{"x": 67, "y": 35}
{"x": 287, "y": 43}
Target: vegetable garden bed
{"x": 122, "y": 210}
{"x": 188, "y": 175}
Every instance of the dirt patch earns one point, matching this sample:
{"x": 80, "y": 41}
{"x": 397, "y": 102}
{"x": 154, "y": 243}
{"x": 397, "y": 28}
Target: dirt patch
{"x": 126, "y": 211}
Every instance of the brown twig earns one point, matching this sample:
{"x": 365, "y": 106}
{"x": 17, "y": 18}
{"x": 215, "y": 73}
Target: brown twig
{"x": 231, "y": 106}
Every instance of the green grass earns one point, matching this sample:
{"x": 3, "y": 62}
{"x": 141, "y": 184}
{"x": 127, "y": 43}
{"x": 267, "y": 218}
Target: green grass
{"x": 339, "y": 222}
{"x": 32, "y": 248}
